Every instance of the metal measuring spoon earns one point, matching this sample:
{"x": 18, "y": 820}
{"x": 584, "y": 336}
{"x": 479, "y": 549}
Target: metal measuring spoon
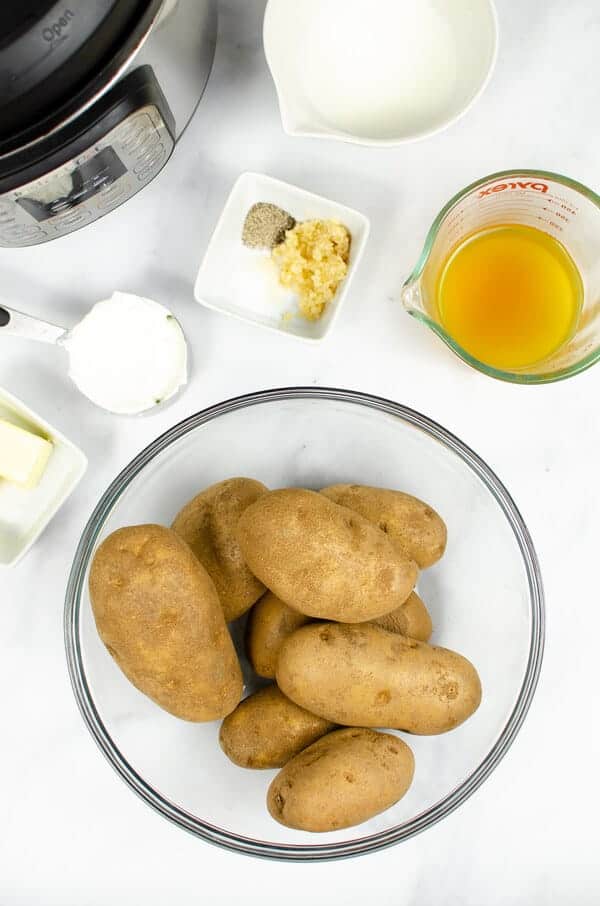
{"x": 19, "y": 324}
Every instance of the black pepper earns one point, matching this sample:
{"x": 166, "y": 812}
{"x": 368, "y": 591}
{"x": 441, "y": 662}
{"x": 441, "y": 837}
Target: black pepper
{"x": 266, "y": 225}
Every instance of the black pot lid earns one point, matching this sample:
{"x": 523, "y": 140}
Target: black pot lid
{"x": 50, "y": 51}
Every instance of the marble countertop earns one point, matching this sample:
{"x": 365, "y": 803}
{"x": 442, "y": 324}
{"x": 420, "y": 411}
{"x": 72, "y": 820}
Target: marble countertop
{"x": 72, "y": 833}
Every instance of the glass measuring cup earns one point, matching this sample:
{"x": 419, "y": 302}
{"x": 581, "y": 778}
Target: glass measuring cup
{"x": 564, "y": 209}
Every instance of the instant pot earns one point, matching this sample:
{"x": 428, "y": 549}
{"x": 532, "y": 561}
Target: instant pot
{"x": 94, "y": 94}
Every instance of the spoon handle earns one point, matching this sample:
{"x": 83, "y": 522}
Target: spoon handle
{"x": 21, "y": 325}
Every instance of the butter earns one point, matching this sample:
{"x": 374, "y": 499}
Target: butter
{"x": 23, "y": 455}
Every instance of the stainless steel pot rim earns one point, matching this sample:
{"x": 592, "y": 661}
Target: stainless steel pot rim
{"x": 316, "y": 852}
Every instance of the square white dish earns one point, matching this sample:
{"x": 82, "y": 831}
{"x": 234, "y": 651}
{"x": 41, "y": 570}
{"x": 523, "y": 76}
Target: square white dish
{"x": 243, "y": 282}
{"x": 24, "y": 514}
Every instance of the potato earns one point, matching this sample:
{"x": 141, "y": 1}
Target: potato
{"x": 411, "y": 619}
{"x": 323, "y": 560}
{"x": 269, "y": 623}
{"x": 414, "y": 525}
{"x": 207, "y": 523}
{"x": 367, "y": 676}
{"x": 157, "y": 612}
{"x": 342, "y": 779}
{"x": 267, "y": 729}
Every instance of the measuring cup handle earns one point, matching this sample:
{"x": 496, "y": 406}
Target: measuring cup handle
{"x": 20, "y": 325}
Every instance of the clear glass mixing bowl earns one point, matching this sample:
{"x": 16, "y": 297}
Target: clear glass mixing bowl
{"x": 485, "y": 598}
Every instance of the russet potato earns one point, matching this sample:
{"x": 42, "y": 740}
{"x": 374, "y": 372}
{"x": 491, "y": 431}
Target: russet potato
{"x": 157, "y": 612}
{"x": 208, "y": 524}
{"x": 267, "y": 729}
{"x": 271, "y": 622}
{"x": 408, "y": 521}
{"x": 322, "y": 559}
{"x": 366, "y": 676}
{"x": 341, "y": 780}
{"x": 411, "y": 619}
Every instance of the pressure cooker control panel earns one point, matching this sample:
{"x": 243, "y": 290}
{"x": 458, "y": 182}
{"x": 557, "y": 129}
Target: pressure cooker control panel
{"x": 105, "y": 175}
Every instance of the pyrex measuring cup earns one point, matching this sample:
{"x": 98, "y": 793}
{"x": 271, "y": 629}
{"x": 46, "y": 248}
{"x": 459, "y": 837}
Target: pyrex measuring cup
{"x": 561, "y": 207}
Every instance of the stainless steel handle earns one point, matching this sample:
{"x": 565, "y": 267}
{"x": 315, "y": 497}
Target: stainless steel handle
{"x": 21, "y": 325}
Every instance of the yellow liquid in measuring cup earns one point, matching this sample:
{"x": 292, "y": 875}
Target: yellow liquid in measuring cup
{"x": 509, "y": 295}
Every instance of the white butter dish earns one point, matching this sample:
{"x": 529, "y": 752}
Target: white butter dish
{"x": 25, "y": 513}
{"x": 243, "y": 282}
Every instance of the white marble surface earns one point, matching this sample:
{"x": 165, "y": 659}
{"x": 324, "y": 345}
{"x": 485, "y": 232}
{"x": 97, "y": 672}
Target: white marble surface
{"x": 72, "y": 833}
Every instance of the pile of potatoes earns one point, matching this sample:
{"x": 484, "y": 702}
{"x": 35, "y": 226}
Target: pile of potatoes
{"x": 334, "y": 623}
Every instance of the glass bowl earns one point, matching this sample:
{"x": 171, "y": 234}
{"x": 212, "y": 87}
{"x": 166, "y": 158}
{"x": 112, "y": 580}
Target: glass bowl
{"x": 485, "y": 597}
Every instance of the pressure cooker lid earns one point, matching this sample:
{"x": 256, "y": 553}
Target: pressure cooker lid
{"x": 17, "y": 17}
{"x": 50, "y": 51}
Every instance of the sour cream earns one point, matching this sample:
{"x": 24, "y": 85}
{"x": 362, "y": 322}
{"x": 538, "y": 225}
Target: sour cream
{"x": 128, "y": 354}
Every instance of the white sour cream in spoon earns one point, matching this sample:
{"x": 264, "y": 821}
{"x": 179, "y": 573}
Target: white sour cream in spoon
{"x": 128, "y": 354}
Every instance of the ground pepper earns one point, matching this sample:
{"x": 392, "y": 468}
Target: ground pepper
{"x": 266, "y": 225}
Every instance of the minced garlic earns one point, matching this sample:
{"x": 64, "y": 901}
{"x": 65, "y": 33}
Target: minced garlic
{"x": 313, "y": 261}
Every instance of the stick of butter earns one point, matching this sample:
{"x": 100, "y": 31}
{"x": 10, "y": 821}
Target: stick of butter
{"x": 23, "y": 455}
